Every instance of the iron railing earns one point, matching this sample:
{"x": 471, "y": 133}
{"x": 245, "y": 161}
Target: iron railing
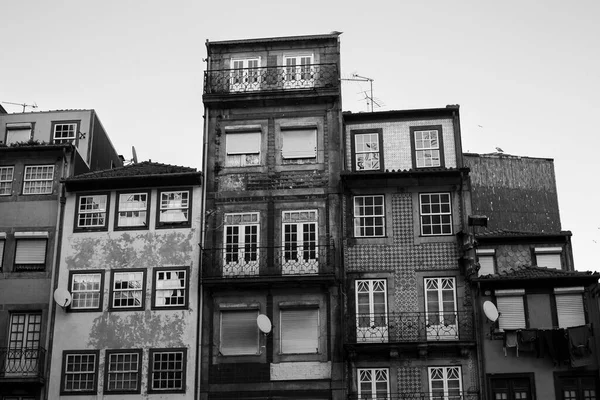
{"x": 397, "y": 327}
{"x": 239, "y": 261}
{"x": 416, "y": 396}
{"x": 22, "y": 363}
{"x": 247, "y": 80}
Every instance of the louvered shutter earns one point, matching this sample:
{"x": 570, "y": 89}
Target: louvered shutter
{"x": 31, "y": 251}
{"x": 242, "y": 142}
{"x": 486, "y": 264}
{"x": 548, "y": 260}
{"x": 239, "y": 332}
{"x": 299, "y": 331}
{"x": 569, "y": 308}
{"x": 300, "y": 143}
{"x": 512, "y": 312}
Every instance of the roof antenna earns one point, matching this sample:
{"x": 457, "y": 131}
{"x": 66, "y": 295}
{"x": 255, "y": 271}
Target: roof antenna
{"x": 34, "y": 105}
{"x": 358, "y": 78}
{"x": 134, "y": 154}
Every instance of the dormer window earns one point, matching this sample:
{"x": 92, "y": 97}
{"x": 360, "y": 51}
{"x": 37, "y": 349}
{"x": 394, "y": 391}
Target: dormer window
{"x": 64, "y": 133}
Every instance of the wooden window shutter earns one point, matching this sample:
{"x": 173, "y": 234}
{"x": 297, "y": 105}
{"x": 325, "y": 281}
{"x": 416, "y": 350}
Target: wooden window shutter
{"x": 31, "y": 251}
{"x": 569, "y": 308}
{"x": 239, "y": 332}
{"x": 300, "y": 331}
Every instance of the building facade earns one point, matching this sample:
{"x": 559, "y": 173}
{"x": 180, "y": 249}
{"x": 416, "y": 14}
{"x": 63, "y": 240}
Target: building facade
{"x": 129, "y": 272}
{"x": 409, "y": 330}
{"x": 271, "y": 248}
{"x": 37, "y": 151}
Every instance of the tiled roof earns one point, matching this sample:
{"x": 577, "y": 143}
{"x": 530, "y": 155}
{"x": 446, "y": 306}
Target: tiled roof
{"x": 504, "y": 233}
{"x": 524, "y": 272}
{"x": 139, "y": 170}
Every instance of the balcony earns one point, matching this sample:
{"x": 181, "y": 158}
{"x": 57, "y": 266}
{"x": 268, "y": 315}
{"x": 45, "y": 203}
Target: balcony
{"x": 239, "y": 262}
{"x": 416, "y": 396}
{"x": 409, "y": 327}
{"x": 22, "y": 364}
{"x": 268, "y": 79}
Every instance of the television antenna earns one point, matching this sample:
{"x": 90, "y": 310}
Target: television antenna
{"x": 133, "y": 159}
{"x": 24, "y": 105}
{"x": 359, "y": 78}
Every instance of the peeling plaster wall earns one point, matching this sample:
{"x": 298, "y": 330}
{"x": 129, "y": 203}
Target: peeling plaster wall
{"x": 144, "y": 329}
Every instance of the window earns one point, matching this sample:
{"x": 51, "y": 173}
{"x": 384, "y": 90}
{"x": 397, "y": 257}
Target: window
{"x": 170, "y": 287}
{"x": 167, "y": 371}
{"x": 65, "y": 133}
{"x": 581, "y": 385}
{"x": 2, "y": 241}
{"x": 30, "y": 253}
{"x": 18, "y": 132}
{"x": 299, "y": 331}
{"x": 241, "y": 244}
{"x": 6, "y": 180}
{"x": 239, "y": 332}
{"x": 132, "y": 210}
{"x": 486, "y": 258}
{"x": 436, "y": 214}
{"x": 80, "y": 372}
{"x": 569, "y": 306}
{"x": 371, "y": 310}
{"x": 548, "y": 257}
{"x": 445, "y": 383}
{"x": 298, "y": 144}
{"x": 128, "y": 289}
{"x": 440, "y": 309}
{"x": 373, "y": 383}
{"x": 369, "y": 216}
{"x": 242, "y": 148}
{"x": 122, "y": 371}
{"x": 299, "y": 71}
{"x": 38, "y": 179}
{"x": 300, "y": 253}
{"x": 86, "y": 290}
{"x": 510, "y": 387}
{"x": 367, "y": 151}
{"x": 23, "y": 345}
{"x": 511, "y": 309}
{"x": 245, "y": 74}
{"x": 427, "y": 146}
{"x": 175, "y": 208}
{"x": 92, "y": 211}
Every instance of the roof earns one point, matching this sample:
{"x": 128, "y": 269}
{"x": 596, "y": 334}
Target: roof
{"x": 506, "y": 233}
{"x": 392, "y": 114}
{"x": 331, "y": 35}
{"x": 505, "y": 155}
{"x": 36, "y": 147}
{"x": 531, "y": 272}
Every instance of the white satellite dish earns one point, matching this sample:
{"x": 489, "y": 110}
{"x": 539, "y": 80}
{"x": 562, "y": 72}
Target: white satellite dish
{"x": 490, "y": 311}
{"x": 62, "y": 297}
{"x": 264, "y": 323}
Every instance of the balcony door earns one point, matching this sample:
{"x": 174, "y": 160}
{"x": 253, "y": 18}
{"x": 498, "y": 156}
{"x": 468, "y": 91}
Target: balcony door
{"x": 299, "y": 72}
{"x": 23, "y": 344}
{"x": 240, "y": 255}
{"x": 245, "y": 75}
{"x": 440, "y": 309}
{"x": 371, "y": 310}
{"x": 445, "y": 383}
{"x": 300, "y": 255}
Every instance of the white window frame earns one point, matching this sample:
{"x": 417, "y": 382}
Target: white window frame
{"x": 376, "y": 217}
{"x": 244, "y": 154}
{"x": 511, "y": 309}
{"x": 250, "y": 344}
{"x": 174, "y": 207}
{"x": 297, "y": 335}
{"x": 299, "y": 71}
{"x": 371, "y": 324}
{"x": 125, "y": 372}
{"x": 38, "y": 179}
{"x": 86, "y": 288}
{"x": 79, "y": 374}
{"x": 7, "y": 174}
{"x": 367, "y": 152}
{"x": 240, "y": 256}
{"x": 445, "y": 376}
{"x": 135, "y": 289}
{"x": 132, "y": 213}
{"x": 371, "y": 377}
{"x": 442, "y": 324}
{"x": 548, "y": 257}
{"x": 174, "y": 377}
{"x": 298, "y": 143}
{"x": 300, "y": 255}
{"x": 171, "y": 284}
{"x": 569, "y": 306}
{"x": 427, "y": 154}
{"x": 15, "y": 132}
{"x": 433, "y": 218}
{"x": 246, "y": 74}
{"x": 71, "y": 130}
{"x": 93, "y": 214}
{"x": 487, "y": 261}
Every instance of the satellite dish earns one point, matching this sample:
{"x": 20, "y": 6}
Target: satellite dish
{"x": 264, "y": 323}
{"x": 62, "y": 297}
{"x": 134, "y": 155}
{"x": 490, "y": 311}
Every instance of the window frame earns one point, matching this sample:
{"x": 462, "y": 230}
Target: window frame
{"x": 63, "y": 380}
{"x": 300, "y": 256}
{"x": 225, "y": 352}
{"x": 155, "y": 272}
{"x": 304, "y": 158}
{"x": 297, "y": 71}
{"x": 432, "y": 214}
{"x": 514, "y": 294}
{"x": 248, "y": 254}
{"x": 78, "y": 213}
{"x": 540, "y": 252}
{"x": 375, "y": 329}
{"x": 18, "y": 126}
{"x": 445, "y": 380}
{"x": 107, "y": 371}
{"x": 111, "y": 300}
{"x": 146, "y": 224}
{"x": 229, "y": 135}
{"x": 174, "y": 224}
{"x": 243, "y": 73}
{"x": 433, "y": 331}
{"x": 510, "y": 378}
{"x": 25, "y": 180}
{"x": 317, "y": 332}
{"x": 8, "y": 183}
{"x": 354, "y": 133}
{"x": 73, "y": 140}
{"x": 413, "y": 145}
{"x": 2, "y": 250}
{"x": 486, "y": 254}
{"x": 151, "y": 370}
{"x": 19, "y": 238}
{"x": 560, "y": 376}
{"x": 373, "y": 391}
{"x": 356, "y": 218}
{"x": 72, "y": 275}
{"x": 575, "y": 292}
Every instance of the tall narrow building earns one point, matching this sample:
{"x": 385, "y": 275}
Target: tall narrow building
{"x": 271, "y": 265}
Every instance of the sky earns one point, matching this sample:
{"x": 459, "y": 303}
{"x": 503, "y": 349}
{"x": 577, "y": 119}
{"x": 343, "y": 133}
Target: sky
{"x": 526, "y": 74}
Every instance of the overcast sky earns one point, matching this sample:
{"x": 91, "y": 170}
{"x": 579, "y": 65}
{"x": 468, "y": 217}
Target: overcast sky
{"x": 525, "y": 73}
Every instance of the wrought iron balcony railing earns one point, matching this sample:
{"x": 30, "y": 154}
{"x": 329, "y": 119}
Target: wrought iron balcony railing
{"x": 22, "y": 363}
{"x": 417, "y": 396}
{"x": 244, "y": 261}
{"x": 409, "y": 327}
{"x": 245, "y": 80}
